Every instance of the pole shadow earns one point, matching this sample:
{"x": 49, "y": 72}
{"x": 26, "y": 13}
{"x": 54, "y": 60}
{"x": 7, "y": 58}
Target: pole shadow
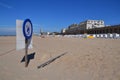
{"x": 50, "y": 61}
{"x": 29, "y": 57}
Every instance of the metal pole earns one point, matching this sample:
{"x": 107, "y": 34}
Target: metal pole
{"x": 26, "y": 51}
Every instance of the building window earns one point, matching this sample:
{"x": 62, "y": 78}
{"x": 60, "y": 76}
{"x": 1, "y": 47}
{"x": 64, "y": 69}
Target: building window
{"x": 91, "y": 21}
{"x": 95, "y": 21}
{"x": 88, "y": 22}
{"x": 101, "y": 22}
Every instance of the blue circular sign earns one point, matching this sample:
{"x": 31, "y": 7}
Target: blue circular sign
{"x": 27, "y": 29}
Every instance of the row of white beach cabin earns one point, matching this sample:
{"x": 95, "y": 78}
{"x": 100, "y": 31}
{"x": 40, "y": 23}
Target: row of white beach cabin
{"x": 109, "y": 35}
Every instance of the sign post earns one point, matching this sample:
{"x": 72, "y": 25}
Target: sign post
{"x": 27, "y": 32}
{"x": 26, "y": 52}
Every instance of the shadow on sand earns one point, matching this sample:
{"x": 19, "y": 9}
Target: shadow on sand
{"x": 5, "y": 53}
{"x": 29, "y": 56}
{"x": 50, "y": 61}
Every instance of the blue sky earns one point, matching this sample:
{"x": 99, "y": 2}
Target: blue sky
{"x": 53, "y": 15}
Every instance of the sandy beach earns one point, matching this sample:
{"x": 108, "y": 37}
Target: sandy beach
{"x": 84, "y": 59}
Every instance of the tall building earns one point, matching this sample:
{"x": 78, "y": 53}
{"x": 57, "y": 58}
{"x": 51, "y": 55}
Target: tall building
{"x": 85, "y": 25}
{"x": 90, "y": 24}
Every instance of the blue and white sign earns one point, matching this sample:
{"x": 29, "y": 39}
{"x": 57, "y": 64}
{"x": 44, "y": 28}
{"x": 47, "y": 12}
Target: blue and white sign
{"x": 27, "y": 29}
{"x": 20, "y": 38}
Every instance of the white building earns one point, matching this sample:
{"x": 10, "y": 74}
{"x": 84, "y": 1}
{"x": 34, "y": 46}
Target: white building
{"x": 63, "y": 30}
{"x": 90, "y": 24}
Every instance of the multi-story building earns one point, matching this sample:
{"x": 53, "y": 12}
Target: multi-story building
{"x": 73, "y": 26}
{"x": 90, "y": 24}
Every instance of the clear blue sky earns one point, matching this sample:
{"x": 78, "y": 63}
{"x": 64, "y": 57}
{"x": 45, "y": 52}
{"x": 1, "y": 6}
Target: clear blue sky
{"x": 53, "y": 15}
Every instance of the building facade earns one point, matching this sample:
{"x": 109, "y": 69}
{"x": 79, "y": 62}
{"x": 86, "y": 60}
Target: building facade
{"x": 91, "y": 24}
{"x": 85, "y": 25}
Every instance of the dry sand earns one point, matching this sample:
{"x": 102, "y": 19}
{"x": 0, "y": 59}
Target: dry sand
{"x": 86, "y": 59}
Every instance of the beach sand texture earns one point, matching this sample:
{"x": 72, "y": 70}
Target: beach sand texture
{"x": 85, "y": 59}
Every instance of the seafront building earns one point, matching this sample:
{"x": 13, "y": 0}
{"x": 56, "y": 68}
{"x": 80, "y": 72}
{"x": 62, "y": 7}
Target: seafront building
{"x": 91, "y": 27}
{"x": 88, "y": 24}
{"x": 91, "y": 24}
